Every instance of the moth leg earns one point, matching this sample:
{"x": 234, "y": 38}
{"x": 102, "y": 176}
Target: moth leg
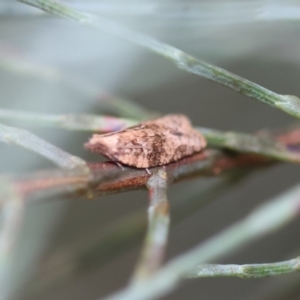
{"x": 148, "y": 171}
{"x": 119, "y": 165}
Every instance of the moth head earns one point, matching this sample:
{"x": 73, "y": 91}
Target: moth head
{"x": 105, "y": 144}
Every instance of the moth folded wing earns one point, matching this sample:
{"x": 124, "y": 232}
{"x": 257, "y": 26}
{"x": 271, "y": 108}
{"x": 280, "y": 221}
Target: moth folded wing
{"x": 184, "y": 143}
{"x": 151, "y": 144}
{"x": 197, "y": 141}
{"x": 135, "y": 148}
{"x": 131, "y": 147}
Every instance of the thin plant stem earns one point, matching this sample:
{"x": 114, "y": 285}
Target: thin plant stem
{"x": 246, "y": 271}
{"x": 265, "y": 219}
{"x": 11, "y": 219}
{"x": 280, "y": 287}
{"x": 25, "y": 139}
{"x": 107, "y": 178}
{"x": 82, "y": 122}
{"x": 241, "y": 142}
{"x": 158, "y": 228}
{"x": 251, "y": 143}
{"x": 287, "y": 103}
{"x": 105, "y": 244}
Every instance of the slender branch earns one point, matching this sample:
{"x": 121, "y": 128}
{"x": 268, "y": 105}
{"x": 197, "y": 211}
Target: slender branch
{"x": 158, "y": 227}
{"x": 103, "y": 245}
{"x": 206, "y": 163}
{"x": 114, "y": 104}
{"x": 265, "y": 219}
{"x": 280, "y": 287}
{"x": 70, "y": 121}
{"x": 33, "y": 143}
{"x": 107, "y": 178}
{"x": 270, "y": 146}
{"x": 246, "y": 271}
{"x": 11, "y": 217}
{"x": 287, "y": 103}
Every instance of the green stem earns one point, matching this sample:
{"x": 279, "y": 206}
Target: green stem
{"x": 248, "y": 143}
{"x": 265, "y": 219}
{"x": 240, "y": 142}
{"x": 158, "y": 228}
{"x": 105, "y": 244}
{"x": 83, "y": 122}
{"x": 246, "y": 271}
{"x": 289, "y": 104}
{"x": 12, "y": 213}
{"x": 33, "y": 143}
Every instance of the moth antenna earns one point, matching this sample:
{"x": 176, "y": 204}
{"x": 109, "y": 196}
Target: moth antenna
{"x": 133, "y": 147}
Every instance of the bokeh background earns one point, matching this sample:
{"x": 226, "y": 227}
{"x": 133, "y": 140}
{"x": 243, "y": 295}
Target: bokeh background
{"x": 258, "y": 40}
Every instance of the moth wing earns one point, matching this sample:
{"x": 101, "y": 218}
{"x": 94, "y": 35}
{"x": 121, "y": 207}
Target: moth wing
{"x": 136, "y": 147}
{"x": 150, "y": 144}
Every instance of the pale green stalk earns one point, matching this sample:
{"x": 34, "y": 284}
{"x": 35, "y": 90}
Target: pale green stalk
{"x": 264, "y": 220}
{"x": 250, "y": 143}
{"x": 103, "y": 245}
{"x": 246, "y": 271}
{"x": 287, "y": 103}
{"x": 83, "y": 122}
{"x": 12, "y": 210}
{"x": 158, "y": 228}
{"x": 240, "y": 142}
{"x": 25, "y": 139}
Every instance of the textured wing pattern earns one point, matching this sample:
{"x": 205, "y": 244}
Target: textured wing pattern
{"x": 150, "y": 144}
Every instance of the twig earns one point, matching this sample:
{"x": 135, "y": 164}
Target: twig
{"x": 287, "y": 103}
{"x": 268, "y": 146}
{"x": 280, "y": 287}
{"x": 33, "y": 143}
{"x": 271, "y": 146}
{"x": 158, "y": 228}
{"x": 107, "y": 178}
{"x": 206, "y": 163}
{"x": 105, "y": 244}
{"x": 246, "y": 271}
{"x": 70, "y": 121}
{"x": 269, "y": 217}
{"x": 12, "y": 217}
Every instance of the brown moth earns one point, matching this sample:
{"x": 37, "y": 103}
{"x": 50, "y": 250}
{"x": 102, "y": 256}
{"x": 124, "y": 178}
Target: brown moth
{"x": 150, "y": 144}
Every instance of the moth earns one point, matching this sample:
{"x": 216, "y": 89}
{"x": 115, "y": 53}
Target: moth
{"x": 151, "y": 143}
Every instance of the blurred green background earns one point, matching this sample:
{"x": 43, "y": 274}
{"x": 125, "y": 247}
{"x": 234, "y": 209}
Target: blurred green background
{"x": 258, "y": 40}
